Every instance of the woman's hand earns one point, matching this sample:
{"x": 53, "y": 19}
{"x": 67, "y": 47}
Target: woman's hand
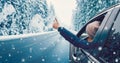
{"x": 55, "y": 24}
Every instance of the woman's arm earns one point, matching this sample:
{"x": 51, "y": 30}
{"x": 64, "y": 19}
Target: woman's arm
{"x": 73, "y": 39}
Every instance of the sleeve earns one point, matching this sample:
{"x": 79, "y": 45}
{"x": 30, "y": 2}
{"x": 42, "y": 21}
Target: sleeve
{"x": 73, "y": 39}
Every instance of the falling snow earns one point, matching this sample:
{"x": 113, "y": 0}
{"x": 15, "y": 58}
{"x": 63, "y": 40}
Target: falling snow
{"x": 43, "y": 60}
{"x": 99, "y": 48}
{"x": 30, "y": 56}
{"x": 32, "y": 16}
{"x": 116, "y": 60}
{"x": 23, "y": 60}
{"x": 114, "y": 52}
{"x": 9, "y": 55}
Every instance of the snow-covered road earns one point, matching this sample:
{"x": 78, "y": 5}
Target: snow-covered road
{"x": 47, "y": 47}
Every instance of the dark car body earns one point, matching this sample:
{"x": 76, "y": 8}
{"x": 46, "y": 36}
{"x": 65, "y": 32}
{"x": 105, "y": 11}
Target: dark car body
{"x": 107, "y": 36}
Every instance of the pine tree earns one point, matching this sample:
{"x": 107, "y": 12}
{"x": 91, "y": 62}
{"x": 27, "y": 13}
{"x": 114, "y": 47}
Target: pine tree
{"x": 18, "y": 21}
{"x": 86, "y": 9}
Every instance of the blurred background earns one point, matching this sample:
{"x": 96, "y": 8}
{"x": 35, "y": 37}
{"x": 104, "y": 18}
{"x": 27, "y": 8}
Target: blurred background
{"x": 33, "y": 16}
{"x": 29, "y": 24}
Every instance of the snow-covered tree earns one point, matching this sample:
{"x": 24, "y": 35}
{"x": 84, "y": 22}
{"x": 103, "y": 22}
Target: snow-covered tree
{"x": 17, "y": 16}
{"x": 86, "y": 9}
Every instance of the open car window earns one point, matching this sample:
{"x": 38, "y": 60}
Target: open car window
{"x": 100, "y": 18}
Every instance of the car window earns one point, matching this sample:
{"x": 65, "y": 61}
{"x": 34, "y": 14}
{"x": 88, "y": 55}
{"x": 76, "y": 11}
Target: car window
{"x": 100, "y": 18}
{"x": 111, "y": 51}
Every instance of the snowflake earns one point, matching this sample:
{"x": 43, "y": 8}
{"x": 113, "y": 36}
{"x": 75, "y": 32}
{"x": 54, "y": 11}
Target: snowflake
{"x": 43, "y": 60}
{"x": 30, "y": 56}
{"x": 114, "y": 52}
{"x": 99, "y": 1}
{"x": 23, "y": 60}
{"x": 78, "y": 58}
{"x": 99, "y": 48}
{"x": 13, "y": 48}
{"x": 113, "y": 29}
{"x": 116, "y": 60}
{"x": 9, "y": 55}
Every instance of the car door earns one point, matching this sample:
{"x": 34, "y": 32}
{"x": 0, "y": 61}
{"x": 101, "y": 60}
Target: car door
{"x": 74, "y": 51}
{"x": 110, "y": 39}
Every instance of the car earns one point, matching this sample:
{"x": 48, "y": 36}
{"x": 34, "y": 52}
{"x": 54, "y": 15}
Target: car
{"x": 107, "y": 36}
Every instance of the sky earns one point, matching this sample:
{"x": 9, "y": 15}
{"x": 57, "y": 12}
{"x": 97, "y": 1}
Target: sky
{"x": 63, "y": 10}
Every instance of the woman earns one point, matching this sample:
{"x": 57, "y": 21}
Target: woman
{"x": 78, "y": 42}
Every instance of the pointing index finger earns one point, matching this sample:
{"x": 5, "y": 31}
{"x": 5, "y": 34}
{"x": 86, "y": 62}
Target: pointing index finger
{"x": 56, "y": 20}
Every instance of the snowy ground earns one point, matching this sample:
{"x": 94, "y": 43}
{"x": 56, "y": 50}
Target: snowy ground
{"x": 25, "y": 33}
{"x": 36, "y": 48}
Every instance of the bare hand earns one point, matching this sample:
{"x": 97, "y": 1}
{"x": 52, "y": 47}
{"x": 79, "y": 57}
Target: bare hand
{"x": 55, "y": 24}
